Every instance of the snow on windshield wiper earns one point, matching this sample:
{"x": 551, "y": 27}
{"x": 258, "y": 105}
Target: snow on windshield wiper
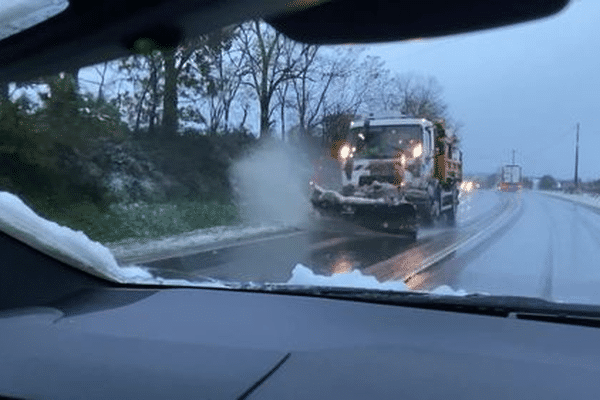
{"x": 354, "y": 281}
{"x": 524, "y": 308}
{"x": 357, "y": 287}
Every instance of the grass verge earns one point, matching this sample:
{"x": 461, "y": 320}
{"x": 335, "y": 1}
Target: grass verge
{"x": 138, "y": 220}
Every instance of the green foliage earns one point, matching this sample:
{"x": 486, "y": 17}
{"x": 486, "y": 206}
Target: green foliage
{"x": 40, "y": 147}
{"x": 199, "y": 162}
{"x": 137, "y": 220}
{"x": 142, "y": 220}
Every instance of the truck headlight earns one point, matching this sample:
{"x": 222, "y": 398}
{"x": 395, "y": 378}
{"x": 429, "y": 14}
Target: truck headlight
{"x": 345, "y": 151}
{"x": 418, "y": 150}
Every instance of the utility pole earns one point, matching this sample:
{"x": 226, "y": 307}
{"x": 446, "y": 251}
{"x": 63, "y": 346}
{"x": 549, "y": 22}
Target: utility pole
{"x": 513, "y": 159}
{"x": 577, "y": 159}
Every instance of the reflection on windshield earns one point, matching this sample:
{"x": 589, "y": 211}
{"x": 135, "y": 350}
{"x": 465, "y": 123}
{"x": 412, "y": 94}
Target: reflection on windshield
{"x": 18, "y": 15}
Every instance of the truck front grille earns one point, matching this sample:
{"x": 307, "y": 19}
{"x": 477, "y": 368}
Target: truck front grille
{"x": 369, "y": 179}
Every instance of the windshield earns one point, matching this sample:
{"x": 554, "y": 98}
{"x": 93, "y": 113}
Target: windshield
{"x": 230, "y": 160}
{"x": 385, "y": 141}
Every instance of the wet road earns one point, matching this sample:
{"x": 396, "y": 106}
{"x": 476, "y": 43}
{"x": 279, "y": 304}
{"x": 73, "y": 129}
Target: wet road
{"x": 504, "y": 243}
{"x": 327, "y": 247}
{"x": 550, "y": 249}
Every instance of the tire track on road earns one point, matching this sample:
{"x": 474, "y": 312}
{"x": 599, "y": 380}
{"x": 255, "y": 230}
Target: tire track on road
{"x": 406, "y": 266}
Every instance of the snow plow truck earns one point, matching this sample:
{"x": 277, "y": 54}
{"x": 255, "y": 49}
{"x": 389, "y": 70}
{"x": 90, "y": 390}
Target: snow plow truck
{"x": 398, "y": 173}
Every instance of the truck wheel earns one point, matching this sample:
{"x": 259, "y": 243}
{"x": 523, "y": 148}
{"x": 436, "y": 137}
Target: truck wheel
{"x": 432, "y": 214}
{"x": 412, "y": 235}
{"x": 451, "y": 213}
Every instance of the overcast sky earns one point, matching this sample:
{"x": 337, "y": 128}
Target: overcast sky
{"x": 523, "y": 87}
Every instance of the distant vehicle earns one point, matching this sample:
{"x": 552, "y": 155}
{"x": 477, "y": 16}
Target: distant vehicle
{"x": 511, "y": 179}
{"x": 396, "y": 171}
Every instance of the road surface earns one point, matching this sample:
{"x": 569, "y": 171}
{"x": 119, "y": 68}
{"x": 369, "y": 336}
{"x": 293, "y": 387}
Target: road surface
{"x": 523, "y": 243}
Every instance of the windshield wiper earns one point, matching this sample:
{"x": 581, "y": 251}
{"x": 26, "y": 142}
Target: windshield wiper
{"x": 526, "y": 308}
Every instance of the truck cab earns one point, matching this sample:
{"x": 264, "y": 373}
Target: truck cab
{"x": 398, "y": 151}
{"x": 410, "y": 158}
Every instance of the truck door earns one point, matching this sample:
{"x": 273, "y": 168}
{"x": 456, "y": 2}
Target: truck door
{"x": 428, "y": 151}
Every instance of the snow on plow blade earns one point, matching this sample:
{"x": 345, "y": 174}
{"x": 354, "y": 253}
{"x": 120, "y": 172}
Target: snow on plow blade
{"x": 375, "y": 214}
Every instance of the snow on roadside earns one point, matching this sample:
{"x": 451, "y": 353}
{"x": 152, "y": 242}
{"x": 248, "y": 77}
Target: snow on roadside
{"x": 132, "y": 248}
{"x": 581, "y": 198}
{"x": 304, "y": 276}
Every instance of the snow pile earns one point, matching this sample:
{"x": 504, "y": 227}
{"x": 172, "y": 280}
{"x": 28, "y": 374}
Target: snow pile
{"x": 446, "y": 290}
{"x": 272, "y": 185}
{"x": 304, "y": 276}
{"x": 63, "y": 243}
{"x": 587, "y": 199}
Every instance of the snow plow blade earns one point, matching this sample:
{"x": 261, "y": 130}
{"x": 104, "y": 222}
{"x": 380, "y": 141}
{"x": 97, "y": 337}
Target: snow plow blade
{"x": 374, "y": 214}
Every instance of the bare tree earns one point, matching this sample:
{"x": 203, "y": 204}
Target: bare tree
{"x": 368, "y": 87}
{"x": 418, "y": 96}
{"x": 266, "y": 66}
{"x": 141, "y": 73}
{"x": 159, "y": 80}
{"x": 316, "y": 73}
{"x": 356, "y": 86}
{"x": 174, "y": 61}
{"x": 224, "y": 79}
{"x": 284, "y": 103}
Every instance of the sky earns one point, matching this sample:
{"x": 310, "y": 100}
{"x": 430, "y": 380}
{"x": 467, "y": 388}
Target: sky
{"x": 523, "y": 87}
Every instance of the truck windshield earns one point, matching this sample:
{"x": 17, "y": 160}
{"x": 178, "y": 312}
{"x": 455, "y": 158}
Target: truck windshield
{"x": 385, "y": 141}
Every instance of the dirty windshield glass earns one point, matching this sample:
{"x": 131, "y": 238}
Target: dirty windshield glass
{"x": 230, "y": 160}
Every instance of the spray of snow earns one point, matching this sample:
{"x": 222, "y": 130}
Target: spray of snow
{"x": 304, "y": 276}
{"x": 272, "y": 185}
